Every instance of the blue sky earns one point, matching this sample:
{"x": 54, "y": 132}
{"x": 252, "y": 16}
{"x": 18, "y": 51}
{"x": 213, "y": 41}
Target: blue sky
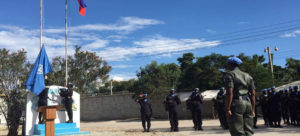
{"x": 131, "y": 33}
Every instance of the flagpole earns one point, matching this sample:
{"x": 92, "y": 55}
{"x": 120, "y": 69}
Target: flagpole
{"x": 66, "y": 39}
{"x": 41, "y": 23}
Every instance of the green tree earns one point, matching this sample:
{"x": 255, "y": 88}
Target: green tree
{"x": 85, "y": 71}
{"x": 186, "y": 61}
{"x": 13, "y": 72}
{"x": 293, "y": 68}
{"x": 155, "y": 79}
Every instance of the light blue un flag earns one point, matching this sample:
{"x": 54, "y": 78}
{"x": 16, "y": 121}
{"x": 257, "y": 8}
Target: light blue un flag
{"x": 35, "y": 82}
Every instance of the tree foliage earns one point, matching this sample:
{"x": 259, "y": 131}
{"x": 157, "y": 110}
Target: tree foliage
{"x": 13, "y": 72}
{"x": 155, "y": 78}
{"x": 204, "y": 73}
{"x": 85, "y": 69}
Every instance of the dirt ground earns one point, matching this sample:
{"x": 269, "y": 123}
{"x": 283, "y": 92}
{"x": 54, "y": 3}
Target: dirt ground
{"x": 162, "y": 127}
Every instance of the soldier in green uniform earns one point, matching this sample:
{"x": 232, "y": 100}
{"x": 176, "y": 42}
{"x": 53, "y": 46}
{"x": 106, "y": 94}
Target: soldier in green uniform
{"x": 240, "y": 105}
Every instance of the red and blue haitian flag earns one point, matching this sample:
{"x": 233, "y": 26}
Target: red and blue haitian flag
{"x": 82, "y": 7}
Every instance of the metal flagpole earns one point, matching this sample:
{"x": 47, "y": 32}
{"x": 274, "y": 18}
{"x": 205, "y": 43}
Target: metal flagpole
{"x": 41, "y": 23}
{"x": 66, "y": 40}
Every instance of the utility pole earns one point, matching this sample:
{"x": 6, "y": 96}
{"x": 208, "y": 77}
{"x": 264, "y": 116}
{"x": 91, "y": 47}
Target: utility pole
{"x": 268, "y": 50}
{"x": 111, "y": 92}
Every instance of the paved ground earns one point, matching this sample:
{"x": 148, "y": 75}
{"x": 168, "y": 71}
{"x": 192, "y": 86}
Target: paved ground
{"x": 161, "y": 128}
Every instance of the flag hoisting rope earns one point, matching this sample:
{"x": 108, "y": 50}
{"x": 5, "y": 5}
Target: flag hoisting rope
{"x": 66, "y": 40}
{"x": 41, "y": 23}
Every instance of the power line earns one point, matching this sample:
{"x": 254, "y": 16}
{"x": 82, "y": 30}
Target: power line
{"x": 255, "y": 28}
{"x": 233, "y": 41}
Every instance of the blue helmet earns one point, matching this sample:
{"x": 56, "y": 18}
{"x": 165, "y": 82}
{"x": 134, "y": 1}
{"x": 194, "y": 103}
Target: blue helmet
{"x": 196, "y": 89}
{"x": 145, "y": 94}
{"x": 235, "y": 60}
{"x": 172, "y": 90}
{"x": 222, "y": 88}
{"x": 295, "y": 87}
{"x": 290, "y": 88}
{"x": 273, "y": 87}
{"x": 264, "y": 90}
{"x": 71, "y": 84}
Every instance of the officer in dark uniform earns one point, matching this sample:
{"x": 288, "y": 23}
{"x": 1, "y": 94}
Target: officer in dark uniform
{"x": 196, "y": 100}
{"x": 220, "y": 103}
{"x": 264, "y": 106}
{"x": 42, "y": 102}
{"x": 270, "y": 106}
{"x": 275, "y": 108}
{"x": 240, "y": 107}
{"x": 172, "y": 101}
{"x": 293, "y": 104}
{"x": 282, "y": 103}
{"x": 285, "y": 109}
{"x": 297, "y": 108}
{"x": 67, "y": 94}
{"x": 146, "y": 111}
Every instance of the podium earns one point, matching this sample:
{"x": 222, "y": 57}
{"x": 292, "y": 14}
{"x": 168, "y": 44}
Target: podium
{"x": 49, "y": 114}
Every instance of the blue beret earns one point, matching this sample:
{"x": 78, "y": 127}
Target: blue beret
{"x": 269, "y": 89}
{"x": 264, "y": 90}
{"x": 295, "y": 87}
{"x": 70, "y": 83}
{"x": 235, "y": 60}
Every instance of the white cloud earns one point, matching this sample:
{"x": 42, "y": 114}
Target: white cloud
{"x": 122, "y": 77}
{"x": 95, "y": 45}
{"x": 15, "y": 38}
{"x": 126, "y": 24}
{"x": 155, "y": 45}
{"x": 291, "y": 34}
{"x": 123, "y": 66}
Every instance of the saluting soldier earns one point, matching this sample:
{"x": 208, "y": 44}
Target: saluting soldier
{"x": 172, "y": 101}
{"x": 240, "y": 107}
{"x": 146, "y": 111}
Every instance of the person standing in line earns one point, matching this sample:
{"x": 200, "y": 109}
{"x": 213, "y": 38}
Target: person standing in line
{"x": 264, "y": 106}
{"x": 196, "y": 109}
{"x": 221, "y": 108}
{"x": 172, "y": 101}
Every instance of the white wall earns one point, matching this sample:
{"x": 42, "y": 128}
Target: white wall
{"x": 55, "y": 99}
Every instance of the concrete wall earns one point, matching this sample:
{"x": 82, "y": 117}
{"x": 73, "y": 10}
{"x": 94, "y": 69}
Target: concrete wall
{"x": 108, "y": 108}
{"x": 124, "y": 107}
